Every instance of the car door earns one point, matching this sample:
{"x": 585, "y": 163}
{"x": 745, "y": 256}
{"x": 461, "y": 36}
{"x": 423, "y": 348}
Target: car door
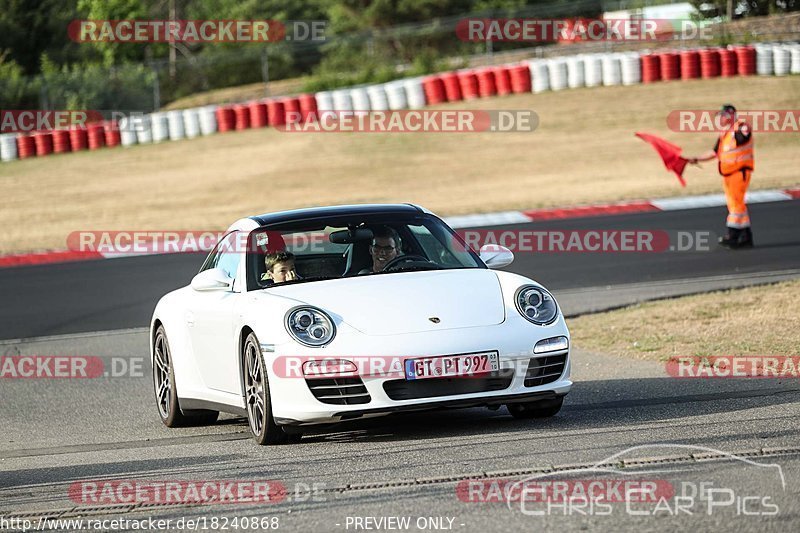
{"x": 212, "y": 321}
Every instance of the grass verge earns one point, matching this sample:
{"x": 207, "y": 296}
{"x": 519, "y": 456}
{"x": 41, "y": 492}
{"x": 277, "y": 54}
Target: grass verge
{"x": 759, "y": 320}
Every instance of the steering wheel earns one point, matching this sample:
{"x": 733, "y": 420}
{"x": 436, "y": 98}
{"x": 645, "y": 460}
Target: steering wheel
{"x": 406, "y": 259}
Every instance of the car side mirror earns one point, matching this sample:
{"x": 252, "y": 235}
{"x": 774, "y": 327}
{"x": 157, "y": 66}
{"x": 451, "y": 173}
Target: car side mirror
{"x": 213, "y": 279}
{"x": 496, "y": 256}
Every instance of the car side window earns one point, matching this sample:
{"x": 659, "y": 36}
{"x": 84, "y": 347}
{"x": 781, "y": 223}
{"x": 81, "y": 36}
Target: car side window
{"x": 432, "y": 247}
{"x": 225, "y": 256}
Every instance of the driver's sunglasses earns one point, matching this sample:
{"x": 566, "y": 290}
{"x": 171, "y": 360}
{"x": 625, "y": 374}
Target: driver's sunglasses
{"x": 387, "y": 249}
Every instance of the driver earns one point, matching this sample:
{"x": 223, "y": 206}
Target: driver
{"x": 385, "y": 247}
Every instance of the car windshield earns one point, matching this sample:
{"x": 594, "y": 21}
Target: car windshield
{"x": 312, "y": 250}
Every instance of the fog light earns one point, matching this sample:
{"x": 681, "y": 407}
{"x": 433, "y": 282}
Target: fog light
{"x": 553, "y": 344}
{"x": 329, "y": 367}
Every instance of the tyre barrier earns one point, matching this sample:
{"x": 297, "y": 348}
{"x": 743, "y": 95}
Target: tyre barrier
{"x": 79, "y": 138}
{"x": 61, "y": 143}
{"x": 396, "y": 95}
{"x": 276, "y": 113}
{"x": 794, "y": 50}
{"x": 292, "y": 113}
{"x": 96, "y": 135}
{"x": 258, "y": 114}
{"x": 26, "y": 147}
{"x": 208, "y": 119}
{"x": 415, "y": 93}
{"x": 728, "y": 64}
{"x": 781, "y": 60}
{"x": 540, "y": 78}
{"x": 434, "y": 90}
{"x": 8, "y": 147}
{"x": 670, "y": 66}
{"x": 144, "y": 133}
{"x": 226, "y": 118}
{"x": 535, "y": 75}
{"x": 612, "y": 70}
{"x": 241, "y": 114}
{"x": 576, "y": 74}
{"x": 111, "y": 133}
{"x": 191, "y": 123}
{"x": 764, "y": 59}
{"x": 159, "y": 125}
{"x": 593, "y": 70}
{"x": 710, "y": 63}
{"x": 520, "y": 78}
{"x": 452, "y": 86}
{"x": 468, "y": 82}
{"x": 43, "y": 141}
{"x": 651, "y": 68}
{"x": 342, "y": 100}
{"x": 324, "y": 101}
{"x": 360, "y": 98}
{"x": 378, "y": 101}
{"x": 308, "y": 106}
{"x": 127, "y": 131}
{"x": 690, "y": 65}
{"x": 502, "y": 80}
{"x": 631, "y": 68}
{"x": 745, "y": 60}
{"x": 557, "y": 69}
{"x": 486, "y": 83}
{"x": 175, "y": 126}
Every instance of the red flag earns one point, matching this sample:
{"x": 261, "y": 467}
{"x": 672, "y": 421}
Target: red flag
{"x": 670, "y": 154}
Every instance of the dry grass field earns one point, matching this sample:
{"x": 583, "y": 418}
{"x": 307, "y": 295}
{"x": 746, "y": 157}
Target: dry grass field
{"x": 583, "y": 151}
{"x": 750, "y": 321}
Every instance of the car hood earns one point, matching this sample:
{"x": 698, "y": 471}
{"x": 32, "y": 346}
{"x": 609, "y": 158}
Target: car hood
{"x": 405, "y": 302}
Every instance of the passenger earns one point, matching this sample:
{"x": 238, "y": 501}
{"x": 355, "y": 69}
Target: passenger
{"x": 280, "y": 267}
{"x": 385, "y": 247}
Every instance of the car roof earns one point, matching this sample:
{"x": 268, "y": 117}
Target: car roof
{"x": 334, "y": 211}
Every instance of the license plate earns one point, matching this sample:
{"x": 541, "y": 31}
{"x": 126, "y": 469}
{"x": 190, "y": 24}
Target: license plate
{"x": 452, "y": 365}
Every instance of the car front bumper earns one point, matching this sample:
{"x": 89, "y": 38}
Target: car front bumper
{"x": 294, "y": 404}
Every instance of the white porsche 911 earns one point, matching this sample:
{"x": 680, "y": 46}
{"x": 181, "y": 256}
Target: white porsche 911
{"x": 363, "y": 311}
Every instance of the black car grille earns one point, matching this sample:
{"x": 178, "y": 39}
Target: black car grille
{"x": 339, "y": 391}
{"x": 546, "y": 369}
{"x": 401, "y": 389}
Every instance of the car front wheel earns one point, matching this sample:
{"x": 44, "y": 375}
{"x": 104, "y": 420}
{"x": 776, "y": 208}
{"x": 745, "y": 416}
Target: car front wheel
{"x": 539, "y": 409}
{"x": 259, "y": 404}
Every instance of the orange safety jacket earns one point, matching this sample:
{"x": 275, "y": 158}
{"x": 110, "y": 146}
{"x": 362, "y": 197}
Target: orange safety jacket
{"x": 733, "y": 158}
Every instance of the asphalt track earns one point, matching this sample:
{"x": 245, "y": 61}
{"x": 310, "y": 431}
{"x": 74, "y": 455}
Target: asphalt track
{"x": 55, "y": 433}
{"x": 121, "y": 293}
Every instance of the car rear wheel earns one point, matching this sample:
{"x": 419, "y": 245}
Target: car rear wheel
{"x": 259, "y": 404}
{"x": 169, "y": 409}
{"x": 540, "y": 409}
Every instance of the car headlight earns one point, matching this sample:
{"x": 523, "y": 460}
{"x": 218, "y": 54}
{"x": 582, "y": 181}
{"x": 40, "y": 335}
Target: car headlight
{"x": 536, "y": 304}
{"x": 310, "y": 326}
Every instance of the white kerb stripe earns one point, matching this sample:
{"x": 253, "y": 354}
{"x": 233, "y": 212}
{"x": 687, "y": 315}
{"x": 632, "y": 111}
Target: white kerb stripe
{"x": 714, "y": 200}
{"x": 487, "y": 219}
